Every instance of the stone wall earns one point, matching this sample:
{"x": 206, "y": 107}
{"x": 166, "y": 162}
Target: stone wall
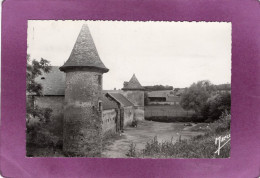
{"x": 139, "y": 113}
{"x": 128, "y": 115}
{"x": 109, "y": 121}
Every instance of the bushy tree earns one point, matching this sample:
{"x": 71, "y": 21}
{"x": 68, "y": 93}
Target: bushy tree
{"x": 216, "y": 105}
{"x": 34, "y": 69}
{"x": 195, "y": 97}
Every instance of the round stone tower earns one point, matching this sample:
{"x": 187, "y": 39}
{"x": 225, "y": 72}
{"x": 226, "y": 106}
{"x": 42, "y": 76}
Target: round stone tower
{"x": 82, "y": 123}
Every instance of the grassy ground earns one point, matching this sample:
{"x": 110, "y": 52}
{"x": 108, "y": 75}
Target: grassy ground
{"x": 201, "y": 146}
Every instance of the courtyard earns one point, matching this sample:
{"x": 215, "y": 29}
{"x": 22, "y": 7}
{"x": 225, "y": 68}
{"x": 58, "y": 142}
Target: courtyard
{"x": 145, "y": 132}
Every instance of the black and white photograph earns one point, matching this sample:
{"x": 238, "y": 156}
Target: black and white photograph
{"x": 128, "y": 89}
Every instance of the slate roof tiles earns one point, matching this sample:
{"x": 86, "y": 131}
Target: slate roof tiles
{"x": 84, "y": 53}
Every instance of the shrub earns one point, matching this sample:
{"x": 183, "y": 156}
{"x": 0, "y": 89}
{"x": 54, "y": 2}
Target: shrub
{"x": 43, "y": 135}
{"x": 132, "y": 150}
{"x": 134, "y": 123}
{"x": 175, "y": 119}
{"x": 223, "y": 123}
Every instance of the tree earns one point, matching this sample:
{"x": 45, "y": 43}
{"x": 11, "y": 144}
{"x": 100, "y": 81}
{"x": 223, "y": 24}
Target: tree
{"x": 216, "y": 105}
{"x": 34, "y": 69}
{"x": 195, "y": 97}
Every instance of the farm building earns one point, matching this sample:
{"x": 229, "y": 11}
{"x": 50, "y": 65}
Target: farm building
{"x": 81, "y": 109}
{"x": 163, "y": 97}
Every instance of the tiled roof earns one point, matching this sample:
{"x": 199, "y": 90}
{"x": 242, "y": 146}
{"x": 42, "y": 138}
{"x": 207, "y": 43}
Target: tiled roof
{"x": 108, "y": 103}
{"x": 84, "y": 53}
{"x": 133, "y": 84}
{"x": 121, "y": 99}
{"x": 53, "y": 83}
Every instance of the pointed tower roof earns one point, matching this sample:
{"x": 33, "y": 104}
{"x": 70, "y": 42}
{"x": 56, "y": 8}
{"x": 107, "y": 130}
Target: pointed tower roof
{"x": 84, "y": 53}
{"x": 133, "y": 84}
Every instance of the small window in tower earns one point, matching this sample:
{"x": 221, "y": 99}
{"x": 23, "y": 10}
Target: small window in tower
{"x": 100, "y": 105}
{"x": 100, "y": 79}
{"x": 42, "y": 78}
{"x": 93, "y": 109}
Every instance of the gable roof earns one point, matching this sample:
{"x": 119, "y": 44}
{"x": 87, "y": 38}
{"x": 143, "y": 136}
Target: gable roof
{"x": 108, "y": 103}
{"x": 133, "y": 84}
{"x": 53, "y": 83}
{"x": 120, "y": 99}
{"x": 84, "y": 53}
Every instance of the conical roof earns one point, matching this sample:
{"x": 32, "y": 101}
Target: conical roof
{"x": 133, "y": 84}
{"x": 84, "y": 53}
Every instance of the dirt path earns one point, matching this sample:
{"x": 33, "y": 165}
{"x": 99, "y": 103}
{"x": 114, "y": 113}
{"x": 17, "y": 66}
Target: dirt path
{"x": 146, "y": 131}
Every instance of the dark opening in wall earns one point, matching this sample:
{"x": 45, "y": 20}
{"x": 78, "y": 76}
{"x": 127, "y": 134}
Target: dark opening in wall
{"x": 93, "y": 109}
{"x": 100, "y": 79}
{"x": 100, "y": 106}
{"x": 42, "y": 78}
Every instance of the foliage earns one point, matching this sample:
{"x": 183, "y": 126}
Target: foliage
{"x": 196, "y": 96}
{"x": 134, "y": 123}
{"x": 37, "y": 118}
{"x": 132, "y": 150}
{"x": 216, "y": 105}
{"x": 223, "y": 87}
{"x": 171, "y": 119}
{"x": 34, "y": 69}
{"x": 223, "y": 123}
{"x": 158, "y": 87}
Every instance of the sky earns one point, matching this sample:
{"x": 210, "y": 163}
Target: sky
{"x": 166, "y": 53}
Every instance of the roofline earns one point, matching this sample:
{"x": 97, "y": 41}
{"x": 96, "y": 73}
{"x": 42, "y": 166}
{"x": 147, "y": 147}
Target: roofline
{"x": 89, "y": 68}
{"x": 142, "y": 89}
{"x": 127, "y": 100}
{"x": 110, "y": 96}
{"x": 42, "y": 95}
{"x": 119, "y": 101}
